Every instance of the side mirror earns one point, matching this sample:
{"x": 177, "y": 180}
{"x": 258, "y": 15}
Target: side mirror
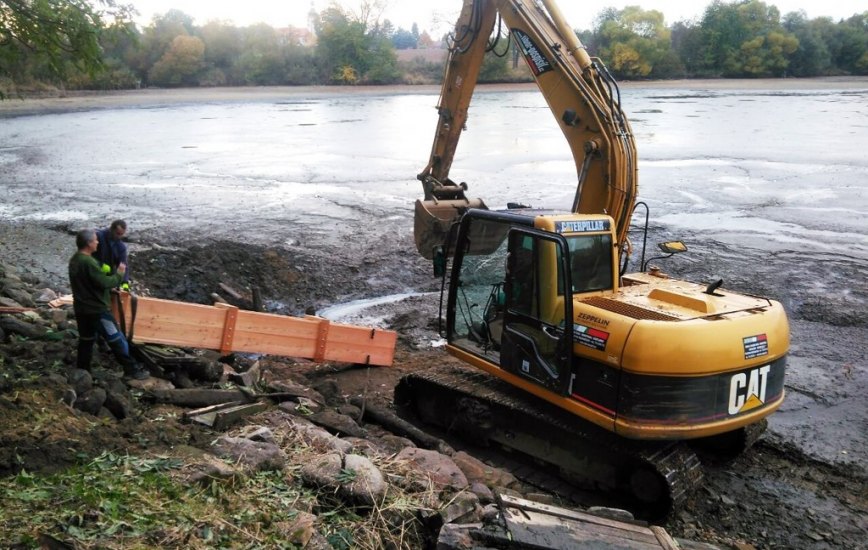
{"x": 672, "y": 247}
{"x": 669, "y": 248}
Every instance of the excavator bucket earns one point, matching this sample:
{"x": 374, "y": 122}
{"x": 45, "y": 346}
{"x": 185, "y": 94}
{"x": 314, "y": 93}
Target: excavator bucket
{"x": 433, "y": 219}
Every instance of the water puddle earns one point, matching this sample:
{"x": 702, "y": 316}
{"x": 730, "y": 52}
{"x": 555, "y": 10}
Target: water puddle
{"x": 346, "y": 310}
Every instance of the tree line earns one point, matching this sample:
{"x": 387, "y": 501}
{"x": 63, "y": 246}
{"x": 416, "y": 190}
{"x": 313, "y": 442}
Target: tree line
{"x": 73, "y": 45}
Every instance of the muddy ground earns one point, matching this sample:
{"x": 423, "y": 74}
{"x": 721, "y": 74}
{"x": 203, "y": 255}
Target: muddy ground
{"x": 775, "y": 496}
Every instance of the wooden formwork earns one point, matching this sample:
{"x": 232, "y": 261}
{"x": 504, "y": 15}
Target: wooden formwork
{"x": 226, "y": 328}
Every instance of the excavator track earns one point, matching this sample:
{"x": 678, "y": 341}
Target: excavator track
{"x": 654, "y": 478}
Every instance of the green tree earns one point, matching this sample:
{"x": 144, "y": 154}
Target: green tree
{"x": 58, "y": 35}
{"x": 634, "y": 43}
{"x": 852, "y": 55}
{"x": 351, "y": 49}
{"x": 157, "y": 38}
{"x": 262, "y": 60}
{"x": 687, "y": 46}
{"x": 745, "y": 38}
{"x": 222, "y": 48}
{"x": 812, "y": 56}
{"x": 182, "y": 63}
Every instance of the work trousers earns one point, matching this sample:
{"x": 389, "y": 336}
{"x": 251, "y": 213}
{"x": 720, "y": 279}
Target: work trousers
{"x": 91, "y": 324}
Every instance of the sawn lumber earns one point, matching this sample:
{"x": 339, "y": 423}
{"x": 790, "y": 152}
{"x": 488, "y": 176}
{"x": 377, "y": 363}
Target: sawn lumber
{"x": 228, "y": 329}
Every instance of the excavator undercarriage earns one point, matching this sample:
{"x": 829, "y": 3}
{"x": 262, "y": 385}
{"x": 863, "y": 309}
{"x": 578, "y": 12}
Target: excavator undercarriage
{"x": 653, "y": 478}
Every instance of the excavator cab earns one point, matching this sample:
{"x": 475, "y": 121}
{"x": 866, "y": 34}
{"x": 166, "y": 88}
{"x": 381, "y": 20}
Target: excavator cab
{"x": 510, "y": 298}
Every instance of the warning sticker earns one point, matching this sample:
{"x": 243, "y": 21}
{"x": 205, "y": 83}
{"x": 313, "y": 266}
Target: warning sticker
{"x": 591, "y": 337}
{"x": 532, "y": 54}
{"x": 755, "y": 346}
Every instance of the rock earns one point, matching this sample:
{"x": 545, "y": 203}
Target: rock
{"x": 351, "y": 410}
{"x": 337, "y": 423}
{"x": 253, "y": 456}
{"x": 307, "y": 406}
{"x": 80, "y": 380}
{"x": 21, "y": 296}
{"x": 365, "y": 447}
{"x": 205, "y": 467}
{"x": 296, "y": 390}
{"x": 482, "y": 491}
{"x": 490, "y": 513}
{"x": 476, "y": 470}
{"x": 464, "y": 508}
{"x": 119, "y": 404}
{"x": 395, "y": 444}
{"x": 727, "y": 501}
{"x": 300, "y": 529}
{"x": 439, "y": 468}
{"x": 317, "y": 437}
{"x": 69, "y": 397}
{"x": 8, "y": 302}
{"x": 33, "y": 317}
{"x": 322, "y": 471}
{"x": 249, "y": 378}
{"x": 354, "y": 477}
{"x": 57, "y": 316}
{"x": 257, "y": 433}
{"x": 328, "y": 388}
{"x": 90, "y": 401}
{"x": 457, "y": 537}
{"x": 368, "y": 486}
{"x": 15, "y": 326}
{"x": 611, "y": 513}
{"x": 318, "y": 542}
{"x": 43, "y": 296}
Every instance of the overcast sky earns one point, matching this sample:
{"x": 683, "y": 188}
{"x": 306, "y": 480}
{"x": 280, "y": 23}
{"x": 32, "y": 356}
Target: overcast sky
{"x": 438, "y": 16}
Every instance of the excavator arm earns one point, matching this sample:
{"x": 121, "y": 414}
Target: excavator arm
{"x": 580, "y": 92}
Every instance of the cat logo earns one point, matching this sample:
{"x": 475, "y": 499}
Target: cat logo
{"x": 747, "y": 390}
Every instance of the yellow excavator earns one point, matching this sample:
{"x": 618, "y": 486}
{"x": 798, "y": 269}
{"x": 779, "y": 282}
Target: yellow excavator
{"x": 601, "y": 374}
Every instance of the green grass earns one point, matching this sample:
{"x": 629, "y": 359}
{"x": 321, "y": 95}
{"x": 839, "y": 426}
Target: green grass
{"x": 117, "y": 501}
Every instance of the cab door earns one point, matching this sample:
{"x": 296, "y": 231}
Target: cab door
{"x": 537, "y": 339}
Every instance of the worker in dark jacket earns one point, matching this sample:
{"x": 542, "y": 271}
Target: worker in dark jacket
{"x": 90, "y": 291}
{"x": 112, "y": 250}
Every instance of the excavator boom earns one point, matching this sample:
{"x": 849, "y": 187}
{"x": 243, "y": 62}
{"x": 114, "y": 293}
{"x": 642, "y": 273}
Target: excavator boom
{"x": 579, "y": 91}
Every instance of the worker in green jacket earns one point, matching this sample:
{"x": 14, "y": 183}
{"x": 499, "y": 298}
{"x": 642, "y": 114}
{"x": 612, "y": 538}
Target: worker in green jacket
{"x": 90, "y": 292}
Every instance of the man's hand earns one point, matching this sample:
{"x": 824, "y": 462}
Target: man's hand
{"x": 122, "y": 268}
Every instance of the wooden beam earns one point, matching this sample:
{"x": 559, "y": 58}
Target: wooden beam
{"x": 226, "y": 328}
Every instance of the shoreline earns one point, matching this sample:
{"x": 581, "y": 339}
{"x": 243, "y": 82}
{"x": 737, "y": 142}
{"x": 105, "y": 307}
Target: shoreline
{"x": 76, "y": 101}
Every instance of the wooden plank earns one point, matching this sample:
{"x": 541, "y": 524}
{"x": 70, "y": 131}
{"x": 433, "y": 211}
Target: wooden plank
{"x": 211, "y": 409}
{"x": 234, "y": 294}
{"x": 666, "y": 542}
{"x": 197, "y": 397}
{"x": 226, "y": 417}
{"x": 544, "y": 531}
{"x": 65, "y": 300}
{"x": 211, "y": 327}
{"x": 529, "y": 505}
